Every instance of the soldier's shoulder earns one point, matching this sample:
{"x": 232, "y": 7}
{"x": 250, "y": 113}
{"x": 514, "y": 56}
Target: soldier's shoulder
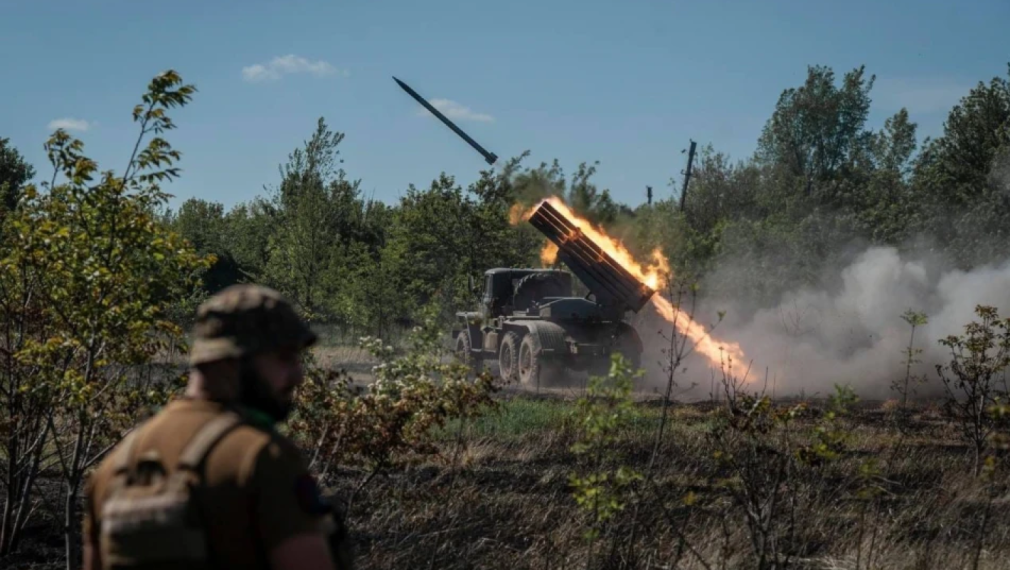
{"x": 253, "y": 451}
{"x": 251, "y": 435}
{"x": 276, "y": 447}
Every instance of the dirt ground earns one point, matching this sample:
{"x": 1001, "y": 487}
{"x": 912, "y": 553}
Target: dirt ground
{"x": 503, "y": 500}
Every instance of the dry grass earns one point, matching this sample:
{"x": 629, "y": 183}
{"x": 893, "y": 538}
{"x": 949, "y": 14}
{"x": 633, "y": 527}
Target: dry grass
{"x": 503, "y": 501}
{"x": 502, "y": 498}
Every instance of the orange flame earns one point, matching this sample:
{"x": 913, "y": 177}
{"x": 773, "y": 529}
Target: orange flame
{"x": 653, "y": 273}
{"x": 718, "y": 354}
{"x": 549, "y": 254}
{"x": 516, "y": 214}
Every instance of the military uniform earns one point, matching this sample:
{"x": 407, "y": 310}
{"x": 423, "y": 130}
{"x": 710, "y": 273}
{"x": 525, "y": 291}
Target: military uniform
{"x": 255, "y": 490}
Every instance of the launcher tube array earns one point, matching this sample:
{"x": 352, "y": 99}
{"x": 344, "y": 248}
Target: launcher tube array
{"x": 605, "y": 278}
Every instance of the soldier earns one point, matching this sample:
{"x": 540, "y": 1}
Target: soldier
{"x": 207, "y": 482}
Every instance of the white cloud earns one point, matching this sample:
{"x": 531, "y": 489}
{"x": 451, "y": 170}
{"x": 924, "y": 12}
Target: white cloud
{"x": 286, "y": 65}
{"x": 69, "y": 124}
{"x": 919, "y": 94}
{"x": 456, "y": 111}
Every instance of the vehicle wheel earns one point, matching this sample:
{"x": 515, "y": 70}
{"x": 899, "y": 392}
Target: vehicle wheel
{"x": 535, "y": 371}
{"x": 466, "y": 355}
{"x": 508, "y": 357}
{"x": 529, "y": 361}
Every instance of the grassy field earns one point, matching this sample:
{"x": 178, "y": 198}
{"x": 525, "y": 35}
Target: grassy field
{"x": 498, "y": 496}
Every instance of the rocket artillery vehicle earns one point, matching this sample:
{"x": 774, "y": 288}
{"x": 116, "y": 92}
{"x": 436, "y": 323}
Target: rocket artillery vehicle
{"x": 530, "y": 321}
{"x": 532, "y": 324}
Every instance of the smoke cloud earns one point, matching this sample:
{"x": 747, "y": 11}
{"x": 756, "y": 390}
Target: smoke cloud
{"x": 848, "y": 331}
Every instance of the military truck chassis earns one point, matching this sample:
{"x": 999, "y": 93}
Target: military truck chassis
{"x": 538, "y": 353}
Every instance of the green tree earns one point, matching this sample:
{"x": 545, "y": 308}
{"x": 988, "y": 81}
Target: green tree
{"x": 373, "y": 300}
{"x": 443, "y": 235}
{"x": 893, "y": 146}
{"x": 249, "y": 229}
{"x": 588, "y": 200}
{"x": 603, "y": 414}
{"x": 15, "y": 173}
{"x": 818, "y": 182}
{"x": 974, "y": 380}
{"x": 817, "y": 129}
{"x": 203, "y": 224}
{"x": 956, "y": 164}
{"x": 103, "y": 272}
{"x": 580, "y": 193}
{"x": 303, "y": 250}
{"x": 962, "y": 205}
{"x": 17, "y": 287}
{"x": 434, "y": 247}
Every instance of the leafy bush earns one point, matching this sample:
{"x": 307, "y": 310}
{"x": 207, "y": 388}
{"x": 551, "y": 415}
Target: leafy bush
{"x": 979, "y": 359}
{"x": 414, "y": 395}
{"x": 86, "y": 287}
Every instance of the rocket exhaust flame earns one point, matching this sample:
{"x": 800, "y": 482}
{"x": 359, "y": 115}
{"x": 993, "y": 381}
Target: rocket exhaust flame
{"x": 549, "y": 254}
{"x": 653, "y": 274}
{"x": 718, "y": 354}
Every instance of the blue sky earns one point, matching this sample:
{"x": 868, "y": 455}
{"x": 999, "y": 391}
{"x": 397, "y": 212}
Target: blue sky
{"x": 625, "y": 83}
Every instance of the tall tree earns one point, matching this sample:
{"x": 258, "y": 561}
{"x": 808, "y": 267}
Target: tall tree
{"x": 961, "y": 204}
{"x": 203, "y": 224}
{"x": 588, "y": 200}
{"x": 818, "y": 128}
{"x": 956, "y": 165}
{"x": 15, "y": 173}
{"x": 433, "y": 242}
{"x": 302, "y": 249}
{"x": 250, "y": 227}
{"x": 893, "y": 146}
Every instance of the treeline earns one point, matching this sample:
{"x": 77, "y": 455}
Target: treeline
{"x": 819, "y": 180}
{"x": 353, "y": 261}
{"x": 360, "y": 263}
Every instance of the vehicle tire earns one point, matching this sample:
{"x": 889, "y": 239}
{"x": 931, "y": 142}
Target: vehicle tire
{"x": 535, "y": 371}
{"x": 466, "y": 355}
{"x": 529, "y": 361}
{"x": 508, "y": 357}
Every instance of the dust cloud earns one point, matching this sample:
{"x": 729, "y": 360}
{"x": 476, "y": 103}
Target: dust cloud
{"x": 848, "y": 331}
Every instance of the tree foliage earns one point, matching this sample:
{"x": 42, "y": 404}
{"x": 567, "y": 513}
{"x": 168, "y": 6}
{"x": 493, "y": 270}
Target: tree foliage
{"x": 15, "y": 173}
{"x": 85, "y": 291}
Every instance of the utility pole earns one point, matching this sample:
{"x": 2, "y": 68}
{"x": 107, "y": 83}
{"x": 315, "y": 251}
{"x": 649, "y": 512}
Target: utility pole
{"x": 687, "y": 174}
{"x": 648, "y": 194}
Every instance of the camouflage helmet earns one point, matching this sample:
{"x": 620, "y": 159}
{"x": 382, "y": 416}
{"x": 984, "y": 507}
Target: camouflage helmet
{"x": 244, "y": 320}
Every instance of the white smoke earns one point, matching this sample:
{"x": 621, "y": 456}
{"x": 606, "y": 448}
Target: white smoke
{"x": 850, "y": 331}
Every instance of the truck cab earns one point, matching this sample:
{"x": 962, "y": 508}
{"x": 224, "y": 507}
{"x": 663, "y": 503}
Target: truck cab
{"x": 509, "y": 291}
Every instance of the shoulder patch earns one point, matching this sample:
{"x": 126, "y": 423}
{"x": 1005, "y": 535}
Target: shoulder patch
{"x": 309, "y": 498}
